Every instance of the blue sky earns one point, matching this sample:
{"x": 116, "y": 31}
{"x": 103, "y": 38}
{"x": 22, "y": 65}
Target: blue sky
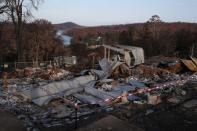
{"x": 107, "y": 12}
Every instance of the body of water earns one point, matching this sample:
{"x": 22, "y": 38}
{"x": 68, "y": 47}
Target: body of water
{"x": 65, "y": 38}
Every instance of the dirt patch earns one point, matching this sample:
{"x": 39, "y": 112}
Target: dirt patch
{"x": 9, "y": 122}
{"x": 110, "y": 123}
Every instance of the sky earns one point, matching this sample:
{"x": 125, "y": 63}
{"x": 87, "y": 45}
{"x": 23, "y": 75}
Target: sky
{"x": 109, "y": 12}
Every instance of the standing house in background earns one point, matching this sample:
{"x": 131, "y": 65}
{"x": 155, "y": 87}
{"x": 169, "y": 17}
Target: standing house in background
{"x": 131, "y": 55}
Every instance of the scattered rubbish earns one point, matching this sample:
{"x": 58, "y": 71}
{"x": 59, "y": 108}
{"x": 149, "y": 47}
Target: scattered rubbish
{"x": 174, "y": 100}
{"x": 54, "y": 96}
{"x": 190, "y": 104}
{"x": 136, "y": 83}
{"x": 190, "y": 65}
{"x": 149, "y": 111}
{"x": 133, "y": 98}
{"x": 194, "y": 60}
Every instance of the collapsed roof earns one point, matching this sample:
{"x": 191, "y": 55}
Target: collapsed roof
{"x": 137, "y": 52}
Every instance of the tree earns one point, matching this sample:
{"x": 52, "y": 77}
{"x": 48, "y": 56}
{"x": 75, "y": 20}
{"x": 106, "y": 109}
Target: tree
{"x": 41, "y": 42}
{"x": 154, "y": 21}
{"x": 185, "y": 40}
{"x": 150, "y": 36}
{"x": 18, "y": 11}
{"x": 79, "y": 50}
{"x": 166, "y": 43}
{"x": 127, "y": 37}
{"x": 7, "y": 43}
{"x": 146, "y": 40}
{"x": 3, "y": 6}
{"x": 110, "y": 37}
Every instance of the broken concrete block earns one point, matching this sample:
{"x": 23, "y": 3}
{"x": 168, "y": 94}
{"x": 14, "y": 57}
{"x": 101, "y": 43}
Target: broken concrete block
{"x": 154, "y": 99}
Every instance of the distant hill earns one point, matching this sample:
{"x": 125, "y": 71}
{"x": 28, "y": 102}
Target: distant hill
{"x": 67, "y": 26}
{"x": 83, "y": 32}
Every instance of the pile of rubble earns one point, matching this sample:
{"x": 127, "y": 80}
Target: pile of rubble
{"x": 55, "y": 97}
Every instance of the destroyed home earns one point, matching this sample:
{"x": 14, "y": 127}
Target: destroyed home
{"x": 131, "y": 55}
{"x": 128, "y": 77}
{"x": 59, "y": 98}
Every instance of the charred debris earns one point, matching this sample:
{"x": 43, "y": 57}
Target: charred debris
{"x": 124, "y": 85}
